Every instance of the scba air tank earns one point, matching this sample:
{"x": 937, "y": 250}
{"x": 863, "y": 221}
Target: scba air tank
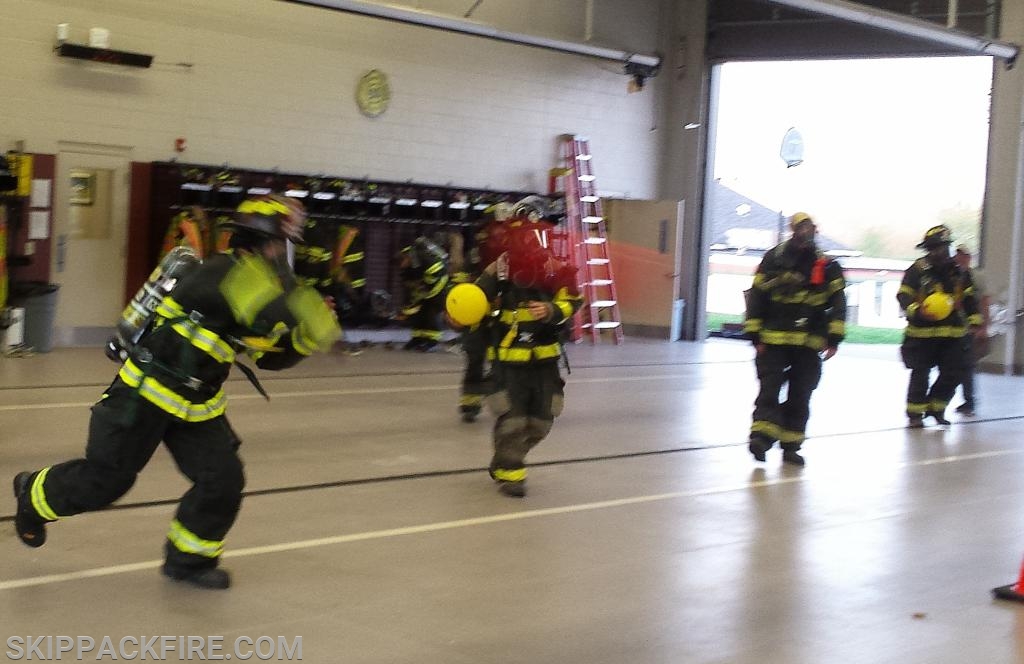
{"x": 139, "y": 313}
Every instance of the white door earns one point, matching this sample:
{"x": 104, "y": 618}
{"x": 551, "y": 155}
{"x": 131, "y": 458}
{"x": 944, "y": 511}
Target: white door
{"x": 90, "y": 242}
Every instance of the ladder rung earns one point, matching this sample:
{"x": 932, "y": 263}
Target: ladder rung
{"x": 598, "y": 261}
{"x": 590, "y": 199}
{"x": 601, "y": 282}
{"x": 587, "y": 178}
{"x": 603, "y": 303}
{"x": 592, "y": 220}
{"x": 583, "y": 157}
{"x": 595, "y": 240}
{"x": 604, "y": 325}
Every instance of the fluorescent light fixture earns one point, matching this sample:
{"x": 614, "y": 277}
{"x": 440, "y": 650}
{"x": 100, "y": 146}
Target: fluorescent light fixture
{"x": 481, "y": 206}
{"x": 195, "y": 186}
{"x": 406, "y": 201}
{"x": 459, "y": 205}
{"x": 259, "y": 191}
{"x": 430, "y": 20}
{"x": 230, "y": 189}
{"x": 431, "y": 204}
{"x": 855, "y": 12}
{"x": 324, "y": 196}
{"x": 296, "y": 193}
{"x": 378, "y": 199}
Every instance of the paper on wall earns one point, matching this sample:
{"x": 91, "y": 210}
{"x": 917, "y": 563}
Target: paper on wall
{"x": 38, "y": 225}
{"x": 40, "y": 197}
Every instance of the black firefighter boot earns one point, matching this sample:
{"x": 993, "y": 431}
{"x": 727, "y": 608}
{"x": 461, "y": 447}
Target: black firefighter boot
{"x": 30, "y": 526}
{"x": 791, "y": 455}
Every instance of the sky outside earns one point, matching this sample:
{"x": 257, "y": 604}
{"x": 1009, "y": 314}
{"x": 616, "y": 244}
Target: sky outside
{"x": 888, "y": 144}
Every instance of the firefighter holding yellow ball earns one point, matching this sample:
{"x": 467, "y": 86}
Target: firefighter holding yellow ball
{"x": 941, "y": 308}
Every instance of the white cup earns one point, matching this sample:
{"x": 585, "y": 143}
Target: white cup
{"x": 99, "y": 37}
{"x": 63, "y": 32}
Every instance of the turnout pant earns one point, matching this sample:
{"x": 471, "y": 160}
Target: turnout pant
{"x": 786, "y": 422}
{"x": 426, "y": 323}
{"x": 950, "y": 355}
{"x": 526, "y": 404}
{"x": 475, "y": 383}
{"x": 124, "y": 432}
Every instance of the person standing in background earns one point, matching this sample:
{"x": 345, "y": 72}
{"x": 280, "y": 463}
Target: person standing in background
{"x": 977, "y": 343}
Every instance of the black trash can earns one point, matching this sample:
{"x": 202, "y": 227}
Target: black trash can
{"x": 39, "y": 299}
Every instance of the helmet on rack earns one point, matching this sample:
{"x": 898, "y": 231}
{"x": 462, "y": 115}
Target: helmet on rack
{"x": 936, "y": 236}
{"x": 271, "y": 216}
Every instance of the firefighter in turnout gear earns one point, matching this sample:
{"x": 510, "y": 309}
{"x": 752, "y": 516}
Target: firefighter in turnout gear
{"x": 796, "y": 313}
{"x": 424, "y": 272}
{"x": 536, "y": 295}
{"x": 170, "y": 390}
{"x": 941, "y": 307}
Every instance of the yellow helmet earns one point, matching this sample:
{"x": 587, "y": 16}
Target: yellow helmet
{"x": 799, "y": 218}
{"x": 937, "y": 306}
{"x": 467, "y": 304}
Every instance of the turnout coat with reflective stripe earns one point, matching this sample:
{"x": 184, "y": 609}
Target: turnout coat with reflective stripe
{"x": 797, "y": 299}
{"x": 520, "y": 337}
{"x": 224, "y": 306}
{"x": 922, "y": 279}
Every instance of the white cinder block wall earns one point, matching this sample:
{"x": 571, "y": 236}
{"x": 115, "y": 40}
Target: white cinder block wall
{"x": 267, "y": 84}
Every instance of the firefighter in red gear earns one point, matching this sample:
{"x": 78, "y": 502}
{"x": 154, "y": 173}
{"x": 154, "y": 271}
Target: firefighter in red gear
{"x": 536, "y": 295}
{"x": 170, "y": 389}
{"x": 796, "y": 318}
{"x": 936, "y": 336}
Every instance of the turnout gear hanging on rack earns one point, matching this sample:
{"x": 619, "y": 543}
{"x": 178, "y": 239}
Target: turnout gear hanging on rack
{"x": 170, "y": 390}
{"x": 936, "y": 336}
{"x": 796, "y": 317}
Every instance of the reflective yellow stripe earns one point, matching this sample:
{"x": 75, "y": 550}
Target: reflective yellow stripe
{"x": 438, "y": 287}
{"x": 170, "y": 401}
{"x": 752, "y": 325}
{"x": 907, "y": 290}
{"x": 938, "y": 405}
{"x": 770, "y": 429}
{"x": 837, "y": 327}
{"x": 544, "y": 352}
{"x": 205, "y": 340}
{"x": 471, "y": 400}
{"x": 787, "y": 436}
{"x": 433, "y": 335}
{"x": 565, "y": 308}
{"x": 517, "y": 475}
{"x": 301, "y": 343}
{"x": 917, "y": 408}
{"x": 975, "y": 319}
{"x": 510, "y": 317}
{"x": 186, "y": 541}
{"x": 939, "y": 332}
{"x": 38, "y": 496}
{"x": 249, "y": 286}
{"x": 353, "y": 258}
{"x": 266, "y": 208}
{"x": 357, "y": 283}
{"x": 780, "y": 338}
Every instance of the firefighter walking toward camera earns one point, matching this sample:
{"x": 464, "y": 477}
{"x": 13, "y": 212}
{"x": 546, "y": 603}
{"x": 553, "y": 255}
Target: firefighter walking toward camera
{"x": 941, "y": 307}
{"x": 796, "y": 318}
{"x": 170, "y": 389}
{"x": 536, "y": 295}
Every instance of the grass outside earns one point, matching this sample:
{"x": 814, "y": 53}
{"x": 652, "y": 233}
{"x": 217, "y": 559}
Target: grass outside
{"x": 855, "y": 334}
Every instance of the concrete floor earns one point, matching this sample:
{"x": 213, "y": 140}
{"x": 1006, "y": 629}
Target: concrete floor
{"x": 371, "y": 530}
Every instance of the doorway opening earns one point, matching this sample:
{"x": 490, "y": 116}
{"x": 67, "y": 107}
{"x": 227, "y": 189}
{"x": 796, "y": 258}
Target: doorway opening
{"x": 883, "y": 150}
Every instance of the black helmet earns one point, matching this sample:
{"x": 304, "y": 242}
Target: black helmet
{"x": 271, "y": 216}
{"x": 936, "y": 236}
